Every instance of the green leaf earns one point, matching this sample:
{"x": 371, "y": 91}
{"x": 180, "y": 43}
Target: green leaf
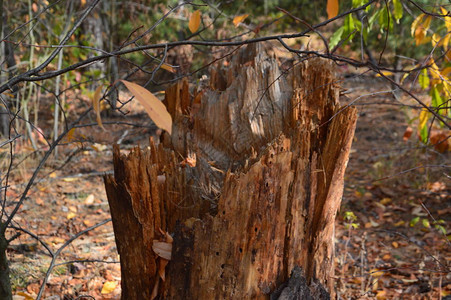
{"x": 414, "y": 221}
{"x": 350, "y": 27}
{"x": 373, "y": 18}
{"x": 357, "y": 3}
{"x": 426, "y": 223}
{"x": 441, "y": 229}
{"x": 349, "y": 24}
{"x": 398, "y": 10}
{"x": 385, "y": 20}
{"x": 336, "y": 37}
{"x": 423, "y": 80}
{"x": 424, "y": 133}
{"x": 436, "y": 98}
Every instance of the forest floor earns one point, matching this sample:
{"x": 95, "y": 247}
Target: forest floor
{"x": 387, "y": 244}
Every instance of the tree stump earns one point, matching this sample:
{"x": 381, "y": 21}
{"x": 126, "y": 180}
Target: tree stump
{"x": 248, "y": 185}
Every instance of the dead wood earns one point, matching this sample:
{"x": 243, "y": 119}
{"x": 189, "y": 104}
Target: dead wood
{"x": 270, "y": 150}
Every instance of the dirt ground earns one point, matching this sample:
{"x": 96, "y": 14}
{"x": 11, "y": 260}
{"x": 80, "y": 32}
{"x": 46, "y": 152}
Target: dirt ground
{"x": 387, "y": 243}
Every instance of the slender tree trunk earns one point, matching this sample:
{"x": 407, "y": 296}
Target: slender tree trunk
{"x": 248, "y": 186}
{"x": 5, "y": 283}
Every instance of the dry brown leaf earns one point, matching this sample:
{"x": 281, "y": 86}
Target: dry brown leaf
{"x": 332, "y": 8}
{"x": 167, "y": 67}
{"x": 407, "y": 133}
{"x": 194, "y": 21}
{"x": 162, "y": 249}
{"x": 440, "y": 139}
{"x": 96, "y": 105}
{"x": 155, "y": 290}
{"x": 161, "y": 268}
{"x": 153, "y": 106}
{"x": 190, "y": 161}
{"x": 239, "y": 19}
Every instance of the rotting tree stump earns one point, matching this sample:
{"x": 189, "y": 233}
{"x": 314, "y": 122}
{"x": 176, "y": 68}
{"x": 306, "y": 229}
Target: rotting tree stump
{"x": 270, "y": 152}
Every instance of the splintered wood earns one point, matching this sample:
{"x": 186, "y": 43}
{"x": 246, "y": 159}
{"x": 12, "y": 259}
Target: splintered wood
{"x": 257, "y": 199}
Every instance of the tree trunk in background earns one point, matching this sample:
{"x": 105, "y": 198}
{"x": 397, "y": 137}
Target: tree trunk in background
{"x": 261, "y": 200}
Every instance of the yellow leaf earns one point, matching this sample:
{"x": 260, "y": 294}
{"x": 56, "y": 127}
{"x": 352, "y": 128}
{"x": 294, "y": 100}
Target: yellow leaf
{"x": 70, "y": 135}
{"x": 24, "y": 295}
{"x": 447, "y": 19}
{"x": 239, "y": 19}
{"x": 96, "y": 105}
{"x": 400, "y": 223}
{"x": 376, "y": 273}
{"x": 70, "y": 179}
{"x": 421, "y": 31}
{"x": 435, "y": 73}
{"x": 415, "y": 23}
{"x": 386, "y": 73}
{"x": 168, "y": 68}
{"x": 445, "y": 41}
{"x": 153, "y": 106}
{"x": 108, "y": 287}
{"x": 385, "y": 201}
{"x": 71, "y": 215}
{"x": 381, "y": 295}
{"x": 436, "y": 39}
{"x": 83, "y": 2}
{"x": 446, "y": 72}
{"x": 194, "y": 21}
{"x": 424, "y": 116}
{"x": 332, "y": 8}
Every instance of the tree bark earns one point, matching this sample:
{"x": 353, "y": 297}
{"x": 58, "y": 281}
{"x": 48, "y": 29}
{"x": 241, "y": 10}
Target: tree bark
{"x": 270, "y": 152}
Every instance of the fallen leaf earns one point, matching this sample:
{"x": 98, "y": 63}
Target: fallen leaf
{"x": 71, "y": 215}
{"x": 88, "y": 223}
{"x": 90, "y": 199}
{"x": 70, "y": 179}
{"x": 153, "y": 106}
{"x": 385, "y": 201}
{"x": 194, "y": 21}
{"x": 24, "y": 296}
{"x": 239, "y": 19}
{"x": 381, "y": 295}
{"x": 109, "y": 287}
{"x": 376, "y": 273}
{"x": 39, "y": 201}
